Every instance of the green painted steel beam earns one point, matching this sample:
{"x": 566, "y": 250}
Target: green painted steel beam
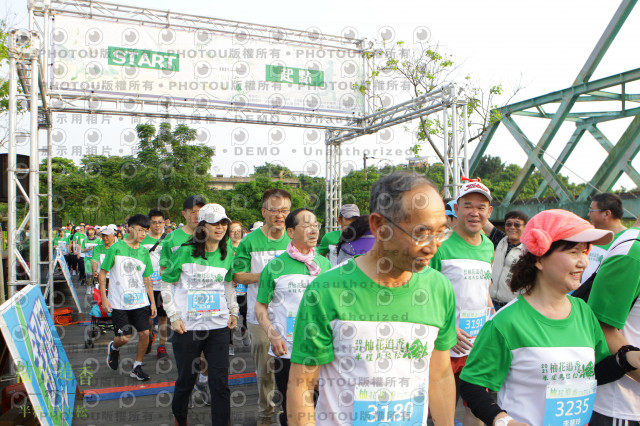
{"x": 607, "y": 37}
{"x": 613, "y": 166}
{"x": 579, "y": 89}
{"x": 539, "y": 149}
{"x": 482, "y": 146}
{"x": 549, "y": 175}
{"x": 601, "y": 95}
{"x": 608, "y": 146}
{"x": 581, "y": 117}
{"x": 562, "y": 158}
{"x": 631, "y": 208}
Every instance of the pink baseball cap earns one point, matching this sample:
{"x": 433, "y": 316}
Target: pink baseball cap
{"x": 554, "y": 225}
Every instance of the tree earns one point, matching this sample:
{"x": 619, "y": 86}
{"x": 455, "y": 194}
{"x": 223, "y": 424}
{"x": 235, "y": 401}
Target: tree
{"x": 169, "y": 167}
{"x": 273, "y": 170}
{"x": 419, "y": 71}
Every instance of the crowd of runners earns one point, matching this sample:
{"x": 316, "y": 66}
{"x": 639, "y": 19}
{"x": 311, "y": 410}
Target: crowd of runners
{"x": 389, "y": 320}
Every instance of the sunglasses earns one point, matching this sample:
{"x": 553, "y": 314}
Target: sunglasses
{"x": 513, "y": 224}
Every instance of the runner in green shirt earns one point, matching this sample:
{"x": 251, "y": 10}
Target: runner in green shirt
{"x": 108, "y": 236}
{"x": 327, "y": 247}
{"x": 252, "y": 255}
{"x": 130, "y": 298}
{"x": 375, "y": 333}
{"x": 283, "y": 282}
{"x": 86, "y": 247}
{"x": 201, "y": 302}
{"x": 544, "y": 352}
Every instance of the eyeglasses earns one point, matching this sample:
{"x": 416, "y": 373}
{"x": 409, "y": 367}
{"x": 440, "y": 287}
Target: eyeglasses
{"x": 423, "y": 239}
{"x": 157, "y": 222}
{"x": 311, "y": 225}
{"x": 513, "y": 224}
{"x": 278, "y": 211}
{"x": 594, "y": 210}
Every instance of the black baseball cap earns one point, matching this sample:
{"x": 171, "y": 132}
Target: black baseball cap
{"x": 193, "y": 200}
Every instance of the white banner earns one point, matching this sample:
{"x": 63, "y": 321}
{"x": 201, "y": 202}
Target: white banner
{"x": 204, "y": 67}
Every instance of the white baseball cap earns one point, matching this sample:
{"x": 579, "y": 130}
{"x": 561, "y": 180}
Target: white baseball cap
{"x": 212, "y": 213}
{"x": 478, "y": 187}
{"x": 107, "y": 230}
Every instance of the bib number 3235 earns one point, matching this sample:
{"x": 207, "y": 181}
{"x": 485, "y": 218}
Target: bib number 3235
{"x": 570, "y": 403}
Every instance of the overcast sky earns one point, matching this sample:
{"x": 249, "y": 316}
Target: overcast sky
{"x": 539, "y": 45}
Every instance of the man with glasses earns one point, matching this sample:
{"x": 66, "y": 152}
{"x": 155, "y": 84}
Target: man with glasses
{"x": 465, "y": 259}
{"x": 282, "y": 284}
{"x": 253, "y": 253}
{"x": 605, "y": 212}
{"x": 375, "y": 332}
{"x": 152, "y": 243}
{"x": 508, "y": 249}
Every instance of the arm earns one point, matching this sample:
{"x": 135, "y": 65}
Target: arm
{"x": 247, "y": 278}
{"x": 277, "y": 343}
{"x": 302, "y": 381}
{"x": 616, "y": 340}
{"x": 442, "y": 388}
{"x": 170, "y": 307}
{"x": 232, "y": 304}
{"x": 488, "y": 227}
{"x": 102, "y": 279}
{"x": 94, "y": 267}
{"x": 152, "y": 300}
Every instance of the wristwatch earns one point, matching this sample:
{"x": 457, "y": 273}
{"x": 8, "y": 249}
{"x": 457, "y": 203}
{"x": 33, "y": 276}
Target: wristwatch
{"x": 503, "y": 421}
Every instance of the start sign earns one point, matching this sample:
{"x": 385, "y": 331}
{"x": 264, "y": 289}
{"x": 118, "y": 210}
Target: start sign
{"x": 143, "y": 59}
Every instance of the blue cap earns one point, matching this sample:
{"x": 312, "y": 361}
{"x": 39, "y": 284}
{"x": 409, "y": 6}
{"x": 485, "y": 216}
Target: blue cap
{"x": 449, "y": 210}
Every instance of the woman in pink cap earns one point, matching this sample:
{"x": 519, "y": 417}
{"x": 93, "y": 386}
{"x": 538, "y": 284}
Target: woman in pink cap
{"x": 544, "y": 352}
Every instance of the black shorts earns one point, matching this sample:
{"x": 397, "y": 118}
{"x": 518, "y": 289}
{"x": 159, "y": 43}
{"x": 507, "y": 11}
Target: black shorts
{"x": 125, "y": 320}
{"x": 157, "y": 295}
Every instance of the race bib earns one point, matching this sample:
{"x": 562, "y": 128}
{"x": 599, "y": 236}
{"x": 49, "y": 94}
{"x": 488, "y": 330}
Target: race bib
{"x": 291, "y": 322}
{"x": 134, "y": 298}
{"x": 570, "y": 404}
{"x": 374, "y": 406}
{"x": 203, "y": 302}
{"x": 241, "y": 289}
{"x": 155, "y": 276}
{"x": 472, "y": 321}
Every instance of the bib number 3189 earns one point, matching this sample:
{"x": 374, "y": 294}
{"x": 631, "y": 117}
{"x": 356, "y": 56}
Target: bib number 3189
{"x": 406, "y": 411}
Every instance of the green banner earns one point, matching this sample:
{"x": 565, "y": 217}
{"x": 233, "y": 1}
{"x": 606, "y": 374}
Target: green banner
{"x": 281, "y": 74}
{"x": 125, "y": 57}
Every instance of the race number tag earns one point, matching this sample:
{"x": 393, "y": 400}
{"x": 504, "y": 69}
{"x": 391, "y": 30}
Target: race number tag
{"x": 134, "y": 298}
{"x": 291, "y": 322}
{"x": 155, "y": 277}
{"x": 203, "y": 302}
{"x": 241, "y": 289}
{"x": 472, "y": 321}
{"x": 569, "y": 404}
{"x": 374, "y": 406}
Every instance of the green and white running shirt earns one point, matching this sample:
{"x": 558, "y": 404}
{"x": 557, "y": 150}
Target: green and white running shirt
{"x": 127, "y": 267}
{"x": 148, "y": 243}
{"x": 281, "y": 286}
{"x": 615, "y": 288}
{"x": 170, "y": 244}
{"x": 373, "y": 344}
{"x": 595, "y": 258}
{"x": 204, "y": 293}
{"x": 99, "y": 253}
{"x": 468, "y": 267}
{"x": 328, "y": 245}
{"x": 77, "y": 240}
{"x": 90, "y": 244}
{"x": 252, "y": 255}
{"x": 542, "y": 369}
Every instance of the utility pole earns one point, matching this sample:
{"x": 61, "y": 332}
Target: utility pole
{"x": 364, "y": 163}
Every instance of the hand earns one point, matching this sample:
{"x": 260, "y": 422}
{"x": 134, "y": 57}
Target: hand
{"x": 233, "y": 321}
{"x": 511, "y": 422}
{"x": 106, "y": 305}
{"x": 633, "y": 358}
{"x": 178, "y": 326}
{"x": 95, "y": 274}
{"x": 278, "y": 346}
{"x": 464, "y": 342}
{"x": 154, "y": 311}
